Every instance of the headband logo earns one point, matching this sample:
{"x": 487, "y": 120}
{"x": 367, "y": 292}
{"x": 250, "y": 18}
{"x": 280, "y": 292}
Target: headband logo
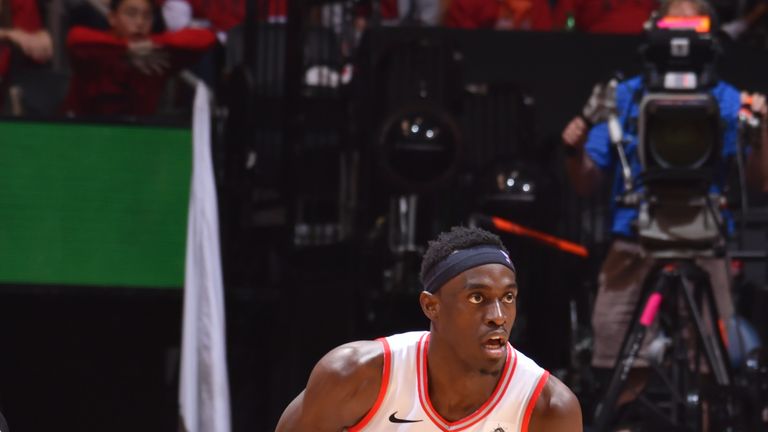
{"x": 506, "y": 256}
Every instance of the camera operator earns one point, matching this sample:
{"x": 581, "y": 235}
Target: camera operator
{"x": 591, "y": 157}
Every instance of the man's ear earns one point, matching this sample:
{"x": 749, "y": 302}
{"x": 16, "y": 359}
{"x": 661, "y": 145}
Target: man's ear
{"x": 111, "y": 19}
{"x": 430, "y": 304}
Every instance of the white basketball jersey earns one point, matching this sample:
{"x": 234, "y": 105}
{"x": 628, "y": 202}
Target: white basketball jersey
{"x": 403, "y": 402}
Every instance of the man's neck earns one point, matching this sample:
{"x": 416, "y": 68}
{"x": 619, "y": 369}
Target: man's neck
{"x": 457, "y": 389}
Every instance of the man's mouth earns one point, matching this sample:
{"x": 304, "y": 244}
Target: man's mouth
{"x": 495, "y": 346}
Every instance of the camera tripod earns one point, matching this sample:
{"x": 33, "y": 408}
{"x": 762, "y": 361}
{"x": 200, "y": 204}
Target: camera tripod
{"x": 676, "y": 281}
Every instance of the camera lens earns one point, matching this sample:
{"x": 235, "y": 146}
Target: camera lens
{"x": 680, "y": 140}
{"x": 682, "y": 132}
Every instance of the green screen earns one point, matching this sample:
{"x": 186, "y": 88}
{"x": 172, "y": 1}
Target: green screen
{"x": 93, "y": 204}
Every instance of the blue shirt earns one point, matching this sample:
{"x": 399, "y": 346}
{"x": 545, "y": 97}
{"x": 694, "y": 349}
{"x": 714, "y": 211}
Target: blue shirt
{"x": 599, "y": 148}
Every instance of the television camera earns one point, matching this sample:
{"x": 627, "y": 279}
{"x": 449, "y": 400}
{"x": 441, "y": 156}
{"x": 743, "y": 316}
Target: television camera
{"x": 679, "y": 141}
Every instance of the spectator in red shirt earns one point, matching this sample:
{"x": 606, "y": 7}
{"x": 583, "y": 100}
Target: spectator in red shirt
{"x": 604, "y": 16}
{"x": 410, "y": 12}
{"x": 20, "y": 25}
{"x": 219, "y": 15}
{"x": 123, "y": 72}
{"x": 500, "y": 14}
{"x": 393, "y": 13}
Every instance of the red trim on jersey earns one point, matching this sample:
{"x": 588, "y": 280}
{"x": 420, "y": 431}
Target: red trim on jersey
{"x": 532, "y": 401}
{"x": 382, "y": 390}
{"x": 426, "y": 404}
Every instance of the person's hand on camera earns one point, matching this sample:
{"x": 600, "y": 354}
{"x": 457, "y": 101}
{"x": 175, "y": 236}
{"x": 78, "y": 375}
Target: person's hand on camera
{"x": 754, "y": 106}
{"x": 757, "y": 103}
{"x": 148, "y": 58}
{"x": 575, "y": 134}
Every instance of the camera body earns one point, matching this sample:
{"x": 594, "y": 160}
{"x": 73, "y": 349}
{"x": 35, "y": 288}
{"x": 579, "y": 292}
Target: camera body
{"x": 679, "y": 140}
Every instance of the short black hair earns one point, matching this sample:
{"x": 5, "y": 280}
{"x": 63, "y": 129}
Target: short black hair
{"x": 457, "y": 238}
{"x": 703, "y": 7}
{"x": 114, "y": 4}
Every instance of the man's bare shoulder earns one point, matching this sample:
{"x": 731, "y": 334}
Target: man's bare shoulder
{"x": 342, "y": 388}
{"x": 557, "y": 409}
{"x": 353, "y": 361}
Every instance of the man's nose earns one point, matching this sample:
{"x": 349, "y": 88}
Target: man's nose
{"x": 495, "y": 314}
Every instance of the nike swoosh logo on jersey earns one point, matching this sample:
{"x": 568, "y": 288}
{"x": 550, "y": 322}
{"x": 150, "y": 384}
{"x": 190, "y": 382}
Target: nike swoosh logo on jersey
{"x": 394, "y": 419}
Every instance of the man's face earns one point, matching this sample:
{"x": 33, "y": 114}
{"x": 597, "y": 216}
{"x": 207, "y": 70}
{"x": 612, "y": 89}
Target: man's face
{"x": 683, "y": 9}
{"x": 132, "y": 20}
{"x": 476, "y": 311}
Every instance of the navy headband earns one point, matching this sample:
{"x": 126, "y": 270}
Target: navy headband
{"x": 463, "y": 260}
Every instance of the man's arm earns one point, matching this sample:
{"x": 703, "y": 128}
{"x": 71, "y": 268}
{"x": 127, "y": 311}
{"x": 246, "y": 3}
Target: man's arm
{"x": 186, "y": 39}
{"x": 90, "y": 45}
{"x": 757, "y": 160}
{"x": 341, "y": 389}
{"x": 583, "y": 174}
{"x": 35, "y": 45}
{"x": 26, "y": 30}
{"x": 556, "y": 410}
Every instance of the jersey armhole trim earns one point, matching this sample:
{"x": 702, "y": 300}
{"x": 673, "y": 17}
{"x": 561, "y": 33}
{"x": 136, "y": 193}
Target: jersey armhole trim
{"x": 382, "y": 389}
{"x": 532, "y": 401}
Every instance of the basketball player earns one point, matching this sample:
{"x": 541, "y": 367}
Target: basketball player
{"x": 461, "y": 375}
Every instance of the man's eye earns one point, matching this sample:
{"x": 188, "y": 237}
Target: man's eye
{"x": 475, "y": 298}
{"x": 509, "y": 298}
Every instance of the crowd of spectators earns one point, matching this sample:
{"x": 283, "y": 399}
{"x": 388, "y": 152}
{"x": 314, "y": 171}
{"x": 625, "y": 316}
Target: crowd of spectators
{"x": 594, "y": 16}
{"x": 122, "y": 71}
{"x": 120, "y": 54}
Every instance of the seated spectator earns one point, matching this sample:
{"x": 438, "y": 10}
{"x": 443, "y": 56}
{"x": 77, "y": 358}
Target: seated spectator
{"x": 386, "y": 12}
{"x": 179, "y": 14}
{"x": 123, "y": 71}
{"x": 500, "y": 14}
{"x": 604, "y": 16}
{"x": 25, "y": 32}
{"x": 219, "y": 15}
{"x": 408, "y": 12}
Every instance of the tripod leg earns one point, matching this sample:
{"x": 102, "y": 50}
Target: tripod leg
{"x": 716, "y": 402}
{"x": 711, "y": 342}
{"x": 644, "y": 317}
